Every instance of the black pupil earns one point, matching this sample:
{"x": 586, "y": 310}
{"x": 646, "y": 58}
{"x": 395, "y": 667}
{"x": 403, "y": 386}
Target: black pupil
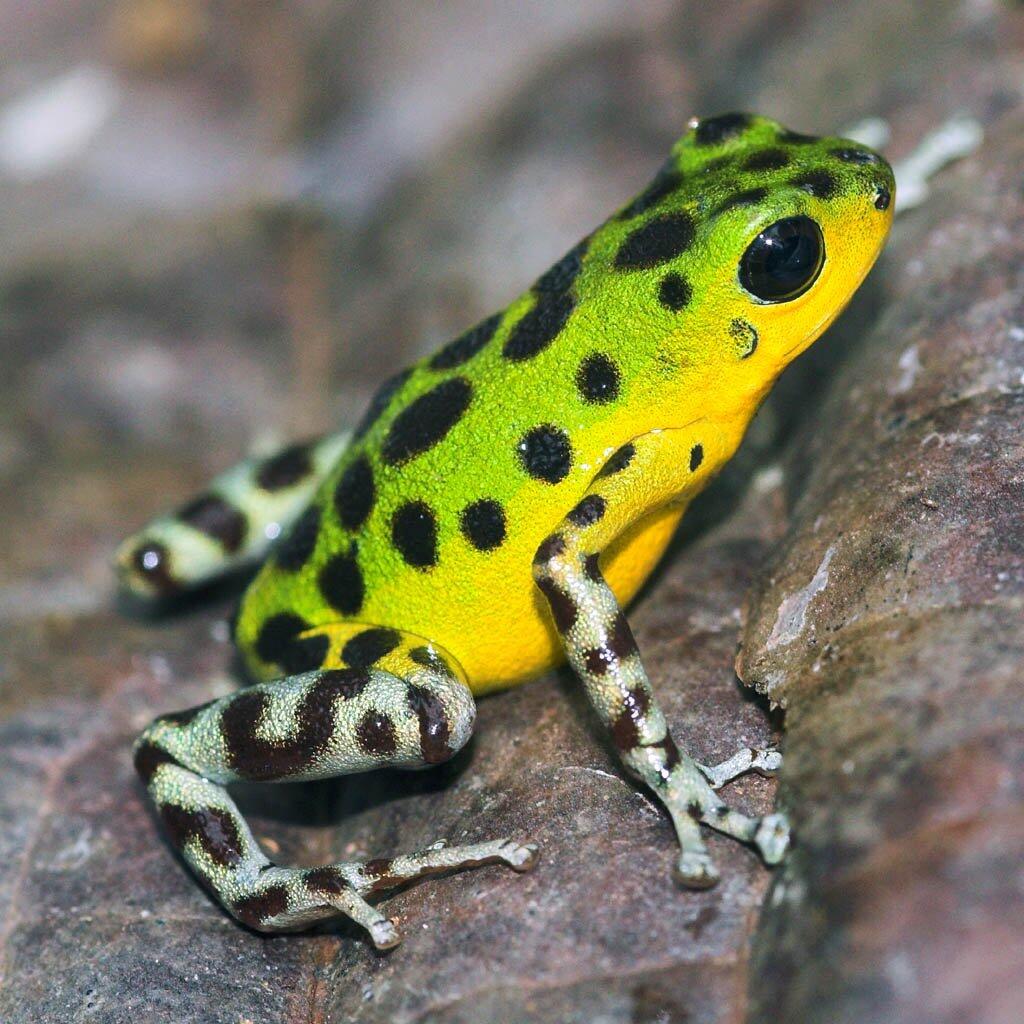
{"x": 784, "y": 260}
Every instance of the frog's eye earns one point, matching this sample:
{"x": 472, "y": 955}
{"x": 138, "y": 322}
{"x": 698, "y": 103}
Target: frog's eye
{"x": 784, "y": 260}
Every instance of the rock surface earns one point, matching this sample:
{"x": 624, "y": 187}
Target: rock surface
{"x": 271, "y": 212}
{"x": 890, "y": 621}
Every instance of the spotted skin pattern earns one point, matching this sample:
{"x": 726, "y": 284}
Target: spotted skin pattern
{"x": 601, "y": 648}
{"x": 323, "y": 723}
{"x": 497, "y": 506}
{"x": 233, "y": 523}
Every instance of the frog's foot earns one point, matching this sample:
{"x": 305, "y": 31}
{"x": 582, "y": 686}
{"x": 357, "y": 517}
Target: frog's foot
{"x": 766, "y": 762}
{"x": 691, "y": 801}
{"x": 286, "y": 899}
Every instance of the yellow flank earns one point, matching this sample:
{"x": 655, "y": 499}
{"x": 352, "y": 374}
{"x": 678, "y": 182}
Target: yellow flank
{"x": 677, "y": 314}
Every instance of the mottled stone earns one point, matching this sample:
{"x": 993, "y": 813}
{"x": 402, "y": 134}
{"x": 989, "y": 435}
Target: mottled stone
{"x": 890, "y": 622}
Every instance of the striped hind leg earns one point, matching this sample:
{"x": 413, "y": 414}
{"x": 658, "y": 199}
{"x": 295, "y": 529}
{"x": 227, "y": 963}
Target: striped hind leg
{"x": 600, "y": 647}
{"x": 331, "y": 721}
{"x": 233, "y": 522}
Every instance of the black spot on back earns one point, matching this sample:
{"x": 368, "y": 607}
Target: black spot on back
{"x": 295, "y": 550}
{"x": 539, "y": 326}
{"x": 425, "y": 422}
{"x": 664, "y": 183}
{"x": 748, "y": 197}
{"x": 562, "y": 276}
{"x": 546, "y": 453}
{"x": 305, "y": 654}
{"x": 598, "y": 379}
{"x": 661, "y": 239}
{"x": 712, "y": 131}
{"x": 285, "y": 469}
{"x": 696, "y": 457}
{"x": 483, "y": 524}
{"x": 414, "y": 533}
{"x": 369, "y": 646}
{"x": 219, "y": 520}
{"x": 355, "y": 494}
{"x": 720, "y": 163}
{"x": 674, "y": 292}
{"x": 818, "y": 183}
{"x": 341, "y": 583}
{"x": 466, "y": 345}
{"x": 379, "y": 403}
{"x": 767, "y": 160}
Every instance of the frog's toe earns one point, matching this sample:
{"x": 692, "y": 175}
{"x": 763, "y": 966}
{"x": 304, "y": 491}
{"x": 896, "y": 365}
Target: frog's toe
{"x": 766, "y": 761}
{"x": 696, "y": 870}
{"x": 521, "y": 857}
{"x": 384, "y": 934}
{"x": 772, "y": 837}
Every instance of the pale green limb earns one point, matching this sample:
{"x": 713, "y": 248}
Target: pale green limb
{"x": 328, "y": 722}
{"x": 600, "y": 647}
{"x": 232, "y": 523}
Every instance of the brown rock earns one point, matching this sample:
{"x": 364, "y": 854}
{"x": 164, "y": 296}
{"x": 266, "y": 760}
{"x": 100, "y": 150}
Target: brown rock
{"x": 889, "y": 622}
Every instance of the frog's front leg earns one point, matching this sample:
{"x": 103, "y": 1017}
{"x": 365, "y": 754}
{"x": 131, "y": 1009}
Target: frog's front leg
{"x": 232, "y": 522}
{"x": 642, "y": 477}
{"x": 332, "y": 721}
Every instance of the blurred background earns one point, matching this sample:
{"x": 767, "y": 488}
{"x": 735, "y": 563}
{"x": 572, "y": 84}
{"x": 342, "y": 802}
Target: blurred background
{"x": 222, "y": 223}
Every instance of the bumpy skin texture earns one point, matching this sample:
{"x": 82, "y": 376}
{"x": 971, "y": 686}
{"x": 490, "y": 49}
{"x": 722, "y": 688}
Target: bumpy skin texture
{"x": 496, "y": 506}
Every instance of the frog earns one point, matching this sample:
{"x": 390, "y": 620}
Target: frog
{"x": 494, "y": 511}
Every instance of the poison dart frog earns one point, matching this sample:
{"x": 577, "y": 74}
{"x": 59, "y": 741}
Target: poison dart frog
{"x": 495, "y": 509}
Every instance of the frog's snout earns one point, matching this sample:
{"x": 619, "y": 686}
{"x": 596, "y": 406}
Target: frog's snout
{"x": 884, "y": 185}
{"x": 878, "y": 175}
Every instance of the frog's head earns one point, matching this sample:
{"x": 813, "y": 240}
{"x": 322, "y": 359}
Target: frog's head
{"x": 780, "y": 229}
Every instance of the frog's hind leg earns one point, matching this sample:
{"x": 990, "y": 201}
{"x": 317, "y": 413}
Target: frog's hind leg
{"x": 600, "y": 646}
{"x": 231, "y": 523}
{"x": 398, "y": 702}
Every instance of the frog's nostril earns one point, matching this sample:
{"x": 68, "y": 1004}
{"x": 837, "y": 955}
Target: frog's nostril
{"x": 882, "y": 198}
